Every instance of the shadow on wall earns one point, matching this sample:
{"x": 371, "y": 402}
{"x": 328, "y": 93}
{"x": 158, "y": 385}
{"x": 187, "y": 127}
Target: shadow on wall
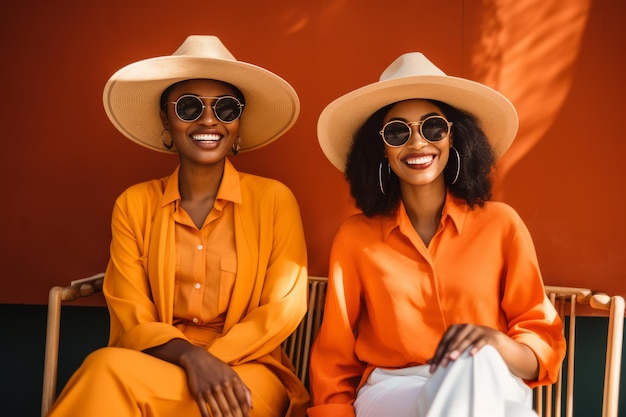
{"x": 516, "y": 55}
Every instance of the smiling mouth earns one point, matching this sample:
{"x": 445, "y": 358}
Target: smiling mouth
{"x": 421, "y": 160}
{"x": 206, "y": 137}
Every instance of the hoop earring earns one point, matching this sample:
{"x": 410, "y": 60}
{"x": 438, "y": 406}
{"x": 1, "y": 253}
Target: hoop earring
{"x": 236, "y": 146}
{"x": 170, "y": 145}
{"x": 458, "y": 165}
{"x": 380, "y": 174}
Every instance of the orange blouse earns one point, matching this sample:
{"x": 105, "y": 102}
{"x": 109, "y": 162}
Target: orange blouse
{"x": 391, "y": 298}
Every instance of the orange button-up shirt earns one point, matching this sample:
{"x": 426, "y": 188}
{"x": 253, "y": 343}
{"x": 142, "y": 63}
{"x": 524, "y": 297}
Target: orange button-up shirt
{"x": 390, "y": 298}
{"x": 206, "y": 258}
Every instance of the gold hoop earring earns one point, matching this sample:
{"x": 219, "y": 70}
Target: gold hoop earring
{"x": 236, "y": 146}
{"x": 380, "y": 174}
{"x": 451, "y": 166}
{"x": 170, "y": 145}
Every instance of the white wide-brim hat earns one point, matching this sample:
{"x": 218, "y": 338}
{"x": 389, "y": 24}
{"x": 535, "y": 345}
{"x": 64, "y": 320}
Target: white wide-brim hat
{"x": 131, "y": 96}
{"x": 413, "y": 76}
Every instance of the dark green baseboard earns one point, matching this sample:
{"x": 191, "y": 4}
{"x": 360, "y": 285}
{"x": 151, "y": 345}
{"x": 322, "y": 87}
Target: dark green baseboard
{"x": 22, "y": 336}
{"x": 84, "y": 329}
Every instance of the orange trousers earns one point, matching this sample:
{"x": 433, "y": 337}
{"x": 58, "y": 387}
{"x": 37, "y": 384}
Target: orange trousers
{"x": 123, "y": 382}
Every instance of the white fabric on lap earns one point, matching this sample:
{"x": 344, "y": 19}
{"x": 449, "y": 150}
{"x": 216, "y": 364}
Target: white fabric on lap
{"x": 471, "y": 386}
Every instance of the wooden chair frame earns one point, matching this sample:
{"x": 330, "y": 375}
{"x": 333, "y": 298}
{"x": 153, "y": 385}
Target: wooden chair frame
{"x": 79, "y": 288}
{"x": 549, "y": 399}
{"x": 298, "y": 345}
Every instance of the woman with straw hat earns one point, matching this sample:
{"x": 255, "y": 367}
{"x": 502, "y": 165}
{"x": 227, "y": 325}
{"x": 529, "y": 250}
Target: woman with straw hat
{"x": 207, "y": 275}
{"x": 435, "y": 305}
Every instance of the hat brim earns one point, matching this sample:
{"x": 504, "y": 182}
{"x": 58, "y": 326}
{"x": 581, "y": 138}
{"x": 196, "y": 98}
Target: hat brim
{"x": 131, "y": 98}
{"x": 341, "y": 119}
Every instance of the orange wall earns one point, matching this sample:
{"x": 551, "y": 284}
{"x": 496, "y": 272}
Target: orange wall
{"x": 63, "y": 164}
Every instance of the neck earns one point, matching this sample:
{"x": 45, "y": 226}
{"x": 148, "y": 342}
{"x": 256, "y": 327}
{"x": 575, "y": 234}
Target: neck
{"x": 196, "y": 182}
{"x": 424, "y": 205}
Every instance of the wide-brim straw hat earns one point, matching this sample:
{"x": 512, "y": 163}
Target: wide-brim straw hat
{"x": 413, "y": 76}
{"x": 131, "y": 96}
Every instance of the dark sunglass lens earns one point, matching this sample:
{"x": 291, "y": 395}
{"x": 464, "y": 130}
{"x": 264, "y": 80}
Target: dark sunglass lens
{"x": 227, "y": 109}
{"x": 189, "y": 108}
{"x": 396, "y": 133}
{"x": 435, "y": 129}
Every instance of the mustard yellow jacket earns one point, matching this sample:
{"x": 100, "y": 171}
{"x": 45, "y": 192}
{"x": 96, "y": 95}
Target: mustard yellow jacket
{"x": 269, "y": 297}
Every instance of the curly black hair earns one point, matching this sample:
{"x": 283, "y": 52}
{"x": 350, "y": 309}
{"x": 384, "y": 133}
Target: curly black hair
{"x": 368, "y": 151}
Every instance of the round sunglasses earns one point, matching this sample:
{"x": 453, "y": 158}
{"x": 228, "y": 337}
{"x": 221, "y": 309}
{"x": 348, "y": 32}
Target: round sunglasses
{"x": 189, "y": 108}
{"x": 397, "y": 132}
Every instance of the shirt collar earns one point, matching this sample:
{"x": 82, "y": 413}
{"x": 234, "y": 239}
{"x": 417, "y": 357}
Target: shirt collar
{"x": 454, "y": 210}
{"x": 230, "y": 187}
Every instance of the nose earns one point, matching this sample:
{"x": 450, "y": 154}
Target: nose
{"x": 207, "y": 117}
{"x": 416, "y": 136}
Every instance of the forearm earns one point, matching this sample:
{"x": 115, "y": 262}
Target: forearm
{"x": 177, "y": 351}
{"x": 520, "y": 359}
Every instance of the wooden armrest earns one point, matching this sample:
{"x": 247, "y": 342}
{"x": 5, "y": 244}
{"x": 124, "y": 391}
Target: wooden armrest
{"x": 83, "y": 287}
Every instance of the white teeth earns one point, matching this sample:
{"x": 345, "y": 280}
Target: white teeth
{"x": 420, "y": 160}
{"x": 206, "y": 137}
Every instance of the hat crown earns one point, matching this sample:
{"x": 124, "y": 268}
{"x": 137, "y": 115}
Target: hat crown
{"x": 201, "y": 46}
{"x": 411, "y": 64}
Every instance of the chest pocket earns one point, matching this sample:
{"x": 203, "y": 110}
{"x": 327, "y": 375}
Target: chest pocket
{"x": 228, "y": 274}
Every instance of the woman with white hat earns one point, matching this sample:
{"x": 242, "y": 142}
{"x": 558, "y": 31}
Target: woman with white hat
{"x": 435, "y": 305}
{"x": 207, "y": 275}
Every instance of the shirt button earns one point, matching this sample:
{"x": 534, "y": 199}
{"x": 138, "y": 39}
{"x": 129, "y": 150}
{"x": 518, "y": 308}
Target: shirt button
{"x": 195, "y": 320}
{"x": 199, "y": 247}
{"x": 197, "y": 285}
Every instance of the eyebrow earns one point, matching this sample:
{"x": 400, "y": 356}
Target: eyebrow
{"x": 201, "y": 96}
{"x": 427, "y": 115}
